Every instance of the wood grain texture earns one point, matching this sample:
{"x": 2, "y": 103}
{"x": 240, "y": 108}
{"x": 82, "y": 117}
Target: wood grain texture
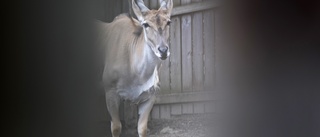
{"x": 197, "y": 50}
{"x": 185, "y": 97}
{"x": 176, "y": 109}
{"x": 194, "y": 7}
{"x": 218, "y": 47}
{"x": 175, "y": 49}
{"x": 164, "y": 76}
{"x": 153, "y": 4}
{"x": 209, "y": 52}
{"x": 175, "y": 57}
{"x": 187, "y": 108}
{"x": 147, "y": 3}
{"x": 165, "y": 112}
{"x": 186, "y": 54}
{"x": 186, "y": 50}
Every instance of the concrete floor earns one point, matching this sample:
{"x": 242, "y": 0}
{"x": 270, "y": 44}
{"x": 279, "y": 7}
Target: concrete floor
{"x": 180, "y": 126}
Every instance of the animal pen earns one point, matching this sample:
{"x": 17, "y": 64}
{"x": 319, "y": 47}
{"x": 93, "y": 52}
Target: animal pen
{"x": 188, "y": 75}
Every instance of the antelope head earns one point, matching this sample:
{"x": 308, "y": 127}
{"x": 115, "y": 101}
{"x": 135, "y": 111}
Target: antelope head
{"x": 155, "y": 24}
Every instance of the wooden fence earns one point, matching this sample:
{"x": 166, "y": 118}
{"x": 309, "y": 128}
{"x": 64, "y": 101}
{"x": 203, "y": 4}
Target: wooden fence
{"x": 187, "y": 77}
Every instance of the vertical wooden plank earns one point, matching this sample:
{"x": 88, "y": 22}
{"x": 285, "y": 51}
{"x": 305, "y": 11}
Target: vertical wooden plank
{"x": 158, "y": 4}
{"x": 187, "y": 108}
{"x": 217, "y": 45}
{"x": 146, "y": 2}
{"x": 176, "y": 3}
{"x": 164, "y": 77}
{"x": 125, "y": 6}
{"x": 198, "y": 107}
{"x": 165, "y": 112}
{"x": 208, "y": 25}
{"x": 155, "y": 113}
{"x": 186, "y": 50}
{"x": 175, "y": 57}
{"x": 176, "y": 109}
{"x": 197, "y": 51}
{"x": 153, "y": 4}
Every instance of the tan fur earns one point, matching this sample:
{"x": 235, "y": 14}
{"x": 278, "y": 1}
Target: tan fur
{"x": 130, "y": 45}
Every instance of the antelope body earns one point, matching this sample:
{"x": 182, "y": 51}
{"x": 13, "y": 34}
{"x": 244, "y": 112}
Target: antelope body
{"x": 134, "y": 51}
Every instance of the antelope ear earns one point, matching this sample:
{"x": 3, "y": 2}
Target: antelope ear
{"x": 166, "y": 5}
{"x": 139, "y": 9}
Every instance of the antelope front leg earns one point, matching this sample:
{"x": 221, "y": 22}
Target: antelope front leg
{"x": 144, "y": 111}
{"x": 113, "y": 103}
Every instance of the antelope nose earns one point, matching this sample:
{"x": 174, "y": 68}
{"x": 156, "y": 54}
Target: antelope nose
{"x": 163, "y": 49}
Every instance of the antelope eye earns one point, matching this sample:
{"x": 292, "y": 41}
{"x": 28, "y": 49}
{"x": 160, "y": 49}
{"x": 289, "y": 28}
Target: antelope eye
{"x": 146, "y": 25}
{"x": 169, "y": 22}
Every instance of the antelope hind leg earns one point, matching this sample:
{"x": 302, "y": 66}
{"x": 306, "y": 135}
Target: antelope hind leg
{"x": 113, "y": 103}
{"x": 144, "y": 111}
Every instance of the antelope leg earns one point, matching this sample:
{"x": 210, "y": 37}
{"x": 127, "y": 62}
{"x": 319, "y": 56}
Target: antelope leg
{"x": 144, "y": 111}
{"x": 113, "y": 103}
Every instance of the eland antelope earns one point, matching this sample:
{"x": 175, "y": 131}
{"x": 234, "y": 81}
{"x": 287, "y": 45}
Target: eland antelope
{"x": 134, "y": 51}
